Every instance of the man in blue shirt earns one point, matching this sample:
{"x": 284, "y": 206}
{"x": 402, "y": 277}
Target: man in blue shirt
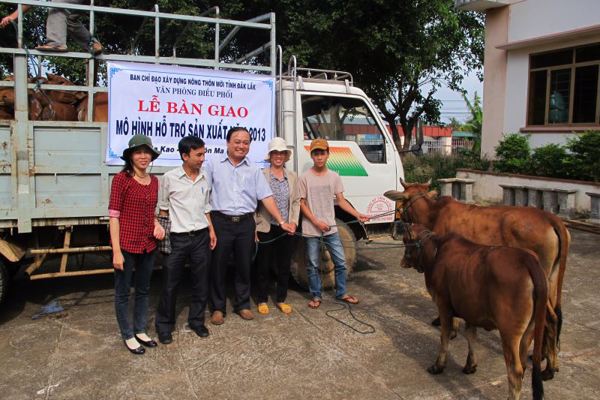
{"x": 237, "y": 187}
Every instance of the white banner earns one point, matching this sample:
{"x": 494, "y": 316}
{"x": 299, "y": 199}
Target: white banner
{"x": 168, "y": 102}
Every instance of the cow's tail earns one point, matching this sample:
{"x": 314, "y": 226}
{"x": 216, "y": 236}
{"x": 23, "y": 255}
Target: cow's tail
{"x": 540, "y": 294}
{"x": 565, "y": 239}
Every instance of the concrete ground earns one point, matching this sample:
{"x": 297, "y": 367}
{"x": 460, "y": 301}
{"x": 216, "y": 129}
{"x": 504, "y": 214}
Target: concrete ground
{"x": 311, "y": 354}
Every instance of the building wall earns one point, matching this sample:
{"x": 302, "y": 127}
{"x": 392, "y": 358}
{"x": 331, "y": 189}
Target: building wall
{"x": 534, "y": 18}
{"x": 494, "y": 79}
{"x": 540, "y": 25}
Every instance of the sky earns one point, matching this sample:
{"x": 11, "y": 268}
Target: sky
{"x": 453, "y": 104}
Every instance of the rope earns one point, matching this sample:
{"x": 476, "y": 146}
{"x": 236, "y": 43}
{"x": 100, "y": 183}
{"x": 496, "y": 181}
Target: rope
{"x": 352, "y": 221}
{"x": 368, "y": 245}
{"x": 349, "y": 308}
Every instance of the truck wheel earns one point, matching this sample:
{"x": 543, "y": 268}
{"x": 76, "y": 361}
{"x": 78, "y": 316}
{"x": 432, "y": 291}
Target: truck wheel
{"x": 326, "y": 267}
{"x": 3, "y": 281}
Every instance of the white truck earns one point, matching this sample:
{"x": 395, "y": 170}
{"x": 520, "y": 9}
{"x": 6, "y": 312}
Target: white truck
{"x": 54, "y": 183}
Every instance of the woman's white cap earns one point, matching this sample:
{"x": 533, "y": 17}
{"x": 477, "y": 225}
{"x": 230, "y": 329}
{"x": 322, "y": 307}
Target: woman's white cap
{"x": 278, "y": 144}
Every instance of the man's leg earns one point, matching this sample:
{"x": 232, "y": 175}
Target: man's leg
{"x": 244, "y": 252}
{"x": 219, "y": 261}
{"x": 336, "y": 250}
{"x": 172, "y": 272}
{"x": 313, "y": 255}
{"x": 199, "y": 263}
{"x": 56, "y": 26}
{"x": 75, "y": 28}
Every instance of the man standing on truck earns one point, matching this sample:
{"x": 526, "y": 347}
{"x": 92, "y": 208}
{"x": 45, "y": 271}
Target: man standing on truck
{"x": 184, "y": 198}
{"x": 237, "y": 187}
{"x": 60, "y": 21}
{"x": 318, "y": 187}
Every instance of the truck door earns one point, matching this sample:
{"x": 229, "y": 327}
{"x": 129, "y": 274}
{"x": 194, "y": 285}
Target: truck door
{"x": 360, "y": 151}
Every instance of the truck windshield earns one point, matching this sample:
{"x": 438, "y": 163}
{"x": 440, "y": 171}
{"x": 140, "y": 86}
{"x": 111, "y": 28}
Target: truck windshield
{"x": 343, "y": 118}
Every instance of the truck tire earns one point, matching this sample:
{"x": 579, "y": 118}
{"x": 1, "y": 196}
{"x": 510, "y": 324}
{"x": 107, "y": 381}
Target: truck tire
{"x": 3, "y": 281}
{"x": 326, "y": 268}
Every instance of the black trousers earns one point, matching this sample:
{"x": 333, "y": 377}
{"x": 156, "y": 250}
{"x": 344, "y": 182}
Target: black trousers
{"x": 194, "y": 246}
{"x": 277, "y": 254}
{"x": 234, "y": 240}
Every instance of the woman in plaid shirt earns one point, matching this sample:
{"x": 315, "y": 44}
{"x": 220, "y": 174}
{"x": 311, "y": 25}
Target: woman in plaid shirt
{"x": 134, "y": 231}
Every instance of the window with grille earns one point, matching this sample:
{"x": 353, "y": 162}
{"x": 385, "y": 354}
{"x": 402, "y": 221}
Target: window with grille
{"x": 564, "y": 87}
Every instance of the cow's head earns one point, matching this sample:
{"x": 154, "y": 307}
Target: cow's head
{"x": 7, "y": 94}
{"x": 414, "y": 239}
{"x": 412, "y": 191}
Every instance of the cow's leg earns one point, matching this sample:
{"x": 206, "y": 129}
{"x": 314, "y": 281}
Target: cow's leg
{"x": 514, "y": 368}
{"x": 453, "y": 333}
{"x": 526, "y": 344}
{"x": 549, "y": 348}
{"x": 471, "y": 335}
{"x": 446, "y": 326}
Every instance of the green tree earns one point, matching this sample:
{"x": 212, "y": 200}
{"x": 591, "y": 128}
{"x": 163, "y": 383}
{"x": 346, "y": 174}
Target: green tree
{"x": 399, "y": 52}
{"x": 475, "y": 121}
{"x": 455, "y": 124}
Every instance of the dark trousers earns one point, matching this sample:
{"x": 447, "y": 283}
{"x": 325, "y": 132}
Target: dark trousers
{"x": 234, "y": 239}
{"x": 194, "y": 246}
{"x": 277, "y": 254}
{"x": 143, "y": 265}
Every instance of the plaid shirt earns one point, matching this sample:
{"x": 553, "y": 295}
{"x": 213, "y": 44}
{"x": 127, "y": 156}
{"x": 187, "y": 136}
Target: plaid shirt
{"x": 135, "y": 205}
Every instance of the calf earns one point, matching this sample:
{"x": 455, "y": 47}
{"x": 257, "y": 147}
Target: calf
{"x": 493, "y": 287}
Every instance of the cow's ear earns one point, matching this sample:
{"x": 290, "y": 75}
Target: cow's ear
{"x": 432, "y": 194}
{"x": 395, "y": 195}
{"x": 404, "y": 184}
{"x": 428, "y": 182}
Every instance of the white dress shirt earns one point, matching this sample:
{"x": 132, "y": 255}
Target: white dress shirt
{"x": 186, "y": 200}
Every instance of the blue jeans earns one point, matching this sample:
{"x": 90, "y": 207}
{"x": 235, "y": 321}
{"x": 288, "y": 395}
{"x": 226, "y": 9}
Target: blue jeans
{"x": 143, "y": 264}
{"x": 313, "y": 256}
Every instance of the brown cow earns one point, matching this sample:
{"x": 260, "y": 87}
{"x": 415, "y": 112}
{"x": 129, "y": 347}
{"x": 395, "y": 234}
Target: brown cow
{"x": 100, "y": 108}
{"x": 44, "y": 105}
{"x": 5, "y": 114}
{"x": 523, "y": 227}
{"x": 7, "y": 103}
{"x": 492, "y": 287}
{"x": 64, "y": 96}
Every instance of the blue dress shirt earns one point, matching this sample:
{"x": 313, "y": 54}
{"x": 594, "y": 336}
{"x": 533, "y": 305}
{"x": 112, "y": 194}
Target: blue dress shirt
{"x": 236, "y": 190}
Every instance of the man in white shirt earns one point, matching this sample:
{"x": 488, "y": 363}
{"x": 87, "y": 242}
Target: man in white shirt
{"x": 184, "y": 197}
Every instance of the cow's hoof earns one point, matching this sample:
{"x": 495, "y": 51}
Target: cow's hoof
{"x": 547, "y": 374}
{"x": 435, "y": 370}
{"x": 436, "y": 322}
{"x": 470, "y": 369}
